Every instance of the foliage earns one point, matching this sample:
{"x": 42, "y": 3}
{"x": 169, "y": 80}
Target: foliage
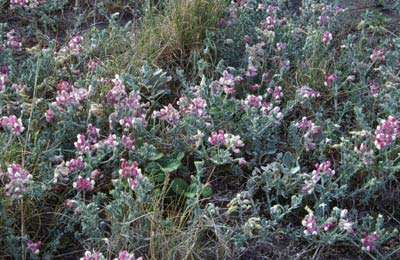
{"x": 281, "y": 124}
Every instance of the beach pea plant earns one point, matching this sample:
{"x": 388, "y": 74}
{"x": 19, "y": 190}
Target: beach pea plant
{"x": 285, "y": 128}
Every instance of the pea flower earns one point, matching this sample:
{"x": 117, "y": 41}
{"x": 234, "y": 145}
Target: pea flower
{"x": 94, "y": 255}
{"x": 323, "y": 20}
{"x": 253, "y": 101}
{"x": 81, "y": 145}
{"x": 83, "y": 184}
{"x": 369, "y": 241}
{"x": 12, "y": 123}
{"x": 307, "y": 92}
{"x": 378, "y": 55}
{"x": 124, "y": 255}
{"x": 19, "y": 181}
{"x": 4, "y": 80}
{"x": 33, "y": 247}
{"x": 310, "y": 223}
{"x": 326, "y": 38}
{"x": 168, "y": 114}
{"x": 387, "y": 132}
{"x": 217, "y": 138}
{"x": 329, "y": 79}
{"x": 374, "y": 89}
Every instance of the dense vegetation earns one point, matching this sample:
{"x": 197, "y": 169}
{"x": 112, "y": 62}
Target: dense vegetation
{"x": 199, "y": 129}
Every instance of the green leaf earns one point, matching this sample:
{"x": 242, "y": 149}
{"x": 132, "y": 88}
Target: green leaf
{"x": 179, "y": 186}
{"x": 207, "y": 191}
{"x": 171, "y": 167}
{"x": 156, "y": 156}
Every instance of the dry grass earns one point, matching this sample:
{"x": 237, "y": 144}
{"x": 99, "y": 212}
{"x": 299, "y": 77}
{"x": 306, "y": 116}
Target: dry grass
{"x": 169, "y": 38}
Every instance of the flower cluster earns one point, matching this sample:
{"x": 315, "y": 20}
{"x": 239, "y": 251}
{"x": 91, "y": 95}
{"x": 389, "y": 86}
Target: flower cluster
{"x": 128, "y": 142}
{"x": 374, "y": 89}
{"x": 19, "y": 181}
{"x": 94, "y": 255}
{"x": 255, "y": 58}
{"x": 130, "y": 111}
{"x": 230, "y": 141}
{"x": 13, "y": 40}
{"x": 33, "y": 247}
{"x": 387, "y": 132}
{"x": 253, "y": 101}
{"x": 313, "y": 178}
{"x": 4, "y": 77}
{"x": 310, "y": 130}
{"x": 125, "y": 255}
{"x": 75, "y": 44}
{"x": 132, "y": 173}
{"x": 168, "y": 114}
{"x": 378, "y": 55}
{"x": 307, "y": 92}
{"x": 310, "y": 223}
{"x": 76, "y": 164}
{"x": 369, "y": 241}
{"x": 365, "y": 152}
{"x": 26, "y": 3}
{"x": 67, "y": 96}
{"x": 326, "y": 37}
{"x": 12, "y": 123}
{"x": 84, "y": 184}
{"x": 196, "y": 106}
{"x": 329, "y": 79}
{"x": 338, "y": 218}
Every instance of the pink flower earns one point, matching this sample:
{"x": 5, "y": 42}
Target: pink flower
{"x": 128, "y": 142}
{"x": 76, "y": 164}
{"x": 326, "y": 38}
{"x": 233, "y": 142}
{"x": 50, "y": 115}
{"x": 217, "y": 138}
{"x": 83, "y": 184}
{"x": 329, "y": 224}
{"x": 374, "y": 89}
{"x": 369, "y": 241}
{"x": 34, "y": 246}
{"x": 19, "y": 181}
{"x": 75, "y": 44}
{"x": 254, "y": 87}
{"x": 81, "y": 145}
{"x": 198, "y": 106}
{"x": 124, "y": 255}
{"x": 347, "y": 226}
{"x": 378, "y": 55}
{"x": 70, "y": 203}
{"x": 270, "y": 23}
{"x": 310, "y": 223}
{"x": 387, "y": 132}
{"x": 128, "y": 170}
{"x": 93, "y": 133}
{"x": 168, "y": 114}
{"x": 329, "y": 79}
{"x": 132, "y": 173}
{"x": 338, "y": 10}
{"x": 13, "y": 41}
{"x": 96, "y": 174}
{"x": 272, "y": 8}
{"x": 242, "y": 162}
{"x": 92, "y": 255}
{"x": 13, "y": 123}
{"x": 4, "y": 80}
{"x": 307, "y": 92}
{"x": 323, "y": 20}
{"x": 253, "y": 101}
{"x": 281, "y": 46}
